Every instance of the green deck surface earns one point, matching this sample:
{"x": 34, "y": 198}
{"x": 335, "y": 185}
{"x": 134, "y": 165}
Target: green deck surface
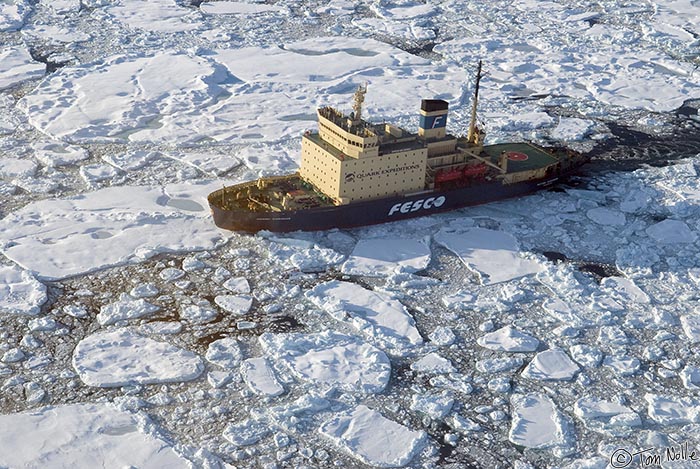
{"x": 536, "y": 158}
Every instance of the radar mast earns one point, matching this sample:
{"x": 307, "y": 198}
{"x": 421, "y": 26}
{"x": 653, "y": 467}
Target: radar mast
{"x": 358, "y": 99}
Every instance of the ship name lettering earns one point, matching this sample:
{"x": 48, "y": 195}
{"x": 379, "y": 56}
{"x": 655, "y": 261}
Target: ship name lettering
{"x": 414, "y": 206}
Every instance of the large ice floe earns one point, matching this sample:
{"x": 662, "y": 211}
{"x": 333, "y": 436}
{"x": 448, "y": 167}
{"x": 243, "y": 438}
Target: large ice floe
{"x": 372, "y": 438}
{"x": 231, "y": 95}
{"x": 537, "y": 423}
{"x": 331, "y": 359}
{"x": 493, "y": 255}
{"x": 82, "y": 435}
{"x": 58, "y": 238}
{"x": 377, "y": 257}
{"x": 123, "y": 357}
{"x": 378, "y": 316}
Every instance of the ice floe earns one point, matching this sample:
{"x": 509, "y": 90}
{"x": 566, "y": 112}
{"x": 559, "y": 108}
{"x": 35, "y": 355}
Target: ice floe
{"x": 673, "y": 410}
{"x": 509, "y": 339}
{"x": 260, "y": 378}
{"x": 12, "y": 14}
{"x": 433, "y": 363}
{"x": 377, "y": 315}
{"x": 671, "y": 232}
{"x": 80, "y": 103}
{"x": 20, "y": 292}
{"x": 112, "y": 226}
{"x": 378, "y": 257}
{"x": 435, "y": 405}
{"x": 78, "y": 435}
{"x": 607, "y": 417}
{"x": 17, "y": 65}
{"x": 553, "y": 364}
{"x": 125, "y": 308}
{"x": 163, "y": 16}
{"x": 537, "y": 423}
{"x": 372, "y": 438}
{"x": 122, "y": 357}
{"x": 331, "y": 359}
{"x": 225, "y": 353}
{"x": 494, "y": 255}
{"x": 234, "y": 304}
{"x": 237, "y": 8}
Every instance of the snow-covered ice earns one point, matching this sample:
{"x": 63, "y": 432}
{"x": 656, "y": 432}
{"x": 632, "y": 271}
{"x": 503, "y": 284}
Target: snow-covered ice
{"x": 607, "y": 417}
{"x": 377, "y": 315}
{"x": 493, "y": 255}
{"x": 234, "y": 304}
{"x": 377, "y": 257}
{"x": 331, "y": 359}
{"x": 20, "y": 292}
{"x": 673, "y": 410}
{"x": 117, "y": 118}
{"x": 112, "y": 226}
{"x": 17, "y": 65}
{"x": 509, "y": 339}
{"x": 225, "y": 353}
{"x": 79, "y": 435}
{"x": 123, "y": 357}
{"x": 537, "y": 423}
{"x": 125, "y": 308}
{"x": 435, "y": 405}
{"x": 372, "y": 438}
{"x": 553, "y": 364}
{"x": 260, "y": 377}
{"x": 433, "y": 363}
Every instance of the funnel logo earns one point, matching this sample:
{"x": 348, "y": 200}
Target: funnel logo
{"x": 414, "y": 206}
{"x": 433, "y": 122}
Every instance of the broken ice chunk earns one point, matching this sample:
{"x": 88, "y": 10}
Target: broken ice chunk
{"x": 433, "y": 363}
{"x": 260, "y": 378}
{"x": 247, "y": 432}
{"x": 234, "y": 304}
{"x": 435, "y": 405}
{"x": 673, "y": 410}
{"x": 553, "y": 365}
{"x": 671, "y": 232}
{"x": 378, "y": 315}
{"x": 237, "y": 285}
{"x": 125, "y": 308}
{"x": 494, "y": 255}
{"x": 607, "y": 417}
{"x": 331, "y": 358}
{"x": 20, "y": 292}
{"x": 372, "y": 438}
{"x": 224, "y": 352}
{"x": 379, "y": 257}
{"x": 536, "y": 422}
{"x": 123, "y": 357}
{"x": 509, "y": 339}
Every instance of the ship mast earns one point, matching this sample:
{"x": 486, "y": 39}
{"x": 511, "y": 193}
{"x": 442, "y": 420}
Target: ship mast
{"x": 359, "y": 98}
{"x": 472, "y": 135}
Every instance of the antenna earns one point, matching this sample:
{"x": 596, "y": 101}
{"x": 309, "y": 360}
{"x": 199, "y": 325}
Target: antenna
{"x": 471, "y": 136}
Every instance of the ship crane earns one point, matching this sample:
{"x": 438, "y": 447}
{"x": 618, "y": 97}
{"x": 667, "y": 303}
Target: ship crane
{"x": 474, "y": 133}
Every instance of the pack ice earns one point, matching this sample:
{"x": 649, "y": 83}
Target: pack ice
{"x": 80, "y": 436}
